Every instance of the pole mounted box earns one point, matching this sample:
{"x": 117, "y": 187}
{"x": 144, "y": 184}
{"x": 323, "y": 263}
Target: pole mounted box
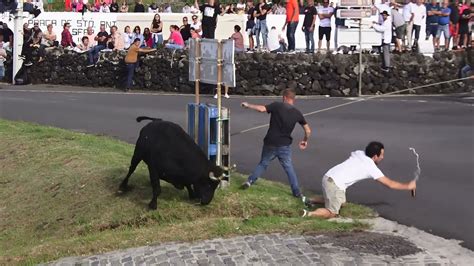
{"x": 354, "y": 13}
{"x": 355, "y": 3}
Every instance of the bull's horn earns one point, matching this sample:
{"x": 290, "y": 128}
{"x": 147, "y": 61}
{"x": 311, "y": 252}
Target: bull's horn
{"x": 211, "y": 176}
{"x": 229, "y": 168}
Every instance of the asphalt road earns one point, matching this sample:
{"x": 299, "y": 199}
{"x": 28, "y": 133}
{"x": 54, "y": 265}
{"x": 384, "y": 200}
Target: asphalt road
{"x": 440, "y": 128}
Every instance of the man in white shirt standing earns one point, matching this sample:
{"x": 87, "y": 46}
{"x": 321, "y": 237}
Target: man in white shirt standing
{"x": 419, "y": 14}
{"x": 325, "y": 13}
{"x": 385, "y": 30}
{"x": 360, "y": 165}
{"x": 408, "y": 16}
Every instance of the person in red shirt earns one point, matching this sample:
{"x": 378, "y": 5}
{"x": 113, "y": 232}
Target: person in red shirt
{"x": 292, "y": 18}
{"x": 66, "y": 36}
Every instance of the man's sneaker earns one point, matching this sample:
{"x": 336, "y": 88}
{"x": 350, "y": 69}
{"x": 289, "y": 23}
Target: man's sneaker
{"x": 226, "y": 96}
{"x": 385, "y": 69}
{"x": 305, "y": 213}
{"x": 28, "y": 63}
{"x": 90, "y": 65}
{"x": 215, "y": 96}
{"x": 245, "y": 185}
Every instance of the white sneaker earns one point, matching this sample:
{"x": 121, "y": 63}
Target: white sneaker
{"x": 226, "y": 96}
{"x": 305, "y": 213}
{"x": 215, "y": 96}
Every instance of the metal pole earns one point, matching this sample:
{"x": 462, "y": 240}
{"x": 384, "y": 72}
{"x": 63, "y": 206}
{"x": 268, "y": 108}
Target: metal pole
{"x": 197, "y": 70}
{"x": 360, "y": 57}
{"x": 219, "y": 104}
{"x": 17, "y": 40}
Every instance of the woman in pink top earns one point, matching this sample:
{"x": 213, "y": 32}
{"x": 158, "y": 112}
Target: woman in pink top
{"x": 238, "y": 39}
{"x": 176, "y": 40}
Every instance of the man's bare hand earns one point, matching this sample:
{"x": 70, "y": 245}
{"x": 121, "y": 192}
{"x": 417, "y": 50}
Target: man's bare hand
{"x": 412, "y": 185}
{"x": 303, "y": 144}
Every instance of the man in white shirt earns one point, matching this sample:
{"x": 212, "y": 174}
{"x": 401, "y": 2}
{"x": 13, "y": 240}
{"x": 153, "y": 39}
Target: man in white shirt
{"x": 275, "y": 41}
{"x": 408, "y": 17}
{"x": 419, "y": 14}
{"x": 360, "y": 165}
{"x": 325, "y": 13}
{"x": 385, "y": 30}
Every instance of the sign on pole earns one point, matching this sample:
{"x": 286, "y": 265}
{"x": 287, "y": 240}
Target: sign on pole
{"x": 355, "y": 3}
{"x": 354, "y": 13}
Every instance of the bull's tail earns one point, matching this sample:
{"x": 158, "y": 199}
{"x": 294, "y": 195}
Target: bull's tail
{"x": 141, "y": 118}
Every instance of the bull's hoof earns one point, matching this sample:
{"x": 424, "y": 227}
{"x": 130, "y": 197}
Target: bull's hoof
{"x": 123, "y": 189}
{"x": 152, "y": 205}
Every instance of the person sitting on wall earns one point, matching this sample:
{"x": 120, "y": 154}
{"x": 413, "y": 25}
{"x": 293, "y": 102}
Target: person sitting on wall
{"x": 238, "y": 40}
{"x": 49, "y": 37}
{"x": 116, "y": 38}
{"x": 66, "y": 36}
{"x": 83, "y": 46}
{"x": 33, "y": 48}
{"x": 175, "y": 41}
{"x": 101, "y": 39}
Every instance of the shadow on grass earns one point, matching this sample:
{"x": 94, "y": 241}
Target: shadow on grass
{"x": 139, "y": 188}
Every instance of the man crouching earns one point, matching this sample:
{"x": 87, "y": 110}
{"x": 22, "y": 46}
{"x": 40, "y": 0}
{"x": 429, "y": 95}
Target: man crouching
{"x": 359, "y": 166}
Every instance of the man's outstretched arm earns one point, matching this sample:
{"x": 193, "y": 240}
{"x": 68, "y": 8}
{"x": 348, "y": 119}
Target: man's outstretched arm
{"x": 397, "y": 185}
{"x": 258, "y": 108}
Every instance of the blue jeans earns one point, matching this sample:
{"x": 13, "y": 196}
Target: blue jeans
{"x": 283, "y": 154}
{"x": 290, "y": 35}
{"x": 309, "y": 36}
{"x": 174, "y": 46}
{"x": 130, "y": 73}
{"x": 157, "y": 39}
{"x": 261, "y": 27}
{"x": 94, "y": 53}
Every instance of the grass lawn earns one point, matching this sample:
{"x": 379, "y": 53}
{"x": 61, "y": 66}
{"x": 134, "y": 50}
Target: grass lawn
{"x": 58, "y": 198}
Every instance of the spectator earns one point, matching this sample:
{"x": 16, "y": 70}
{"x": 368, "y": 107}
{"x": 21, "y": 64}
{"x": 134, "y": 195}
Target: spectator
{"x": 101, "y": 39}
{"x": 127, "y": 37}
{"x": 66, "y": 36}
{"x": 27, "y": 33}
{"x": 399, "y": 26}
{"x": 74, "y": 5}
{"x": 50, "y": 5}
{"x": 124, "y": 7}
{"x": 67, "y": 5}
{"x": 116, "y": 38}
{"x": 443, "y": 25}
{"x": 7, "y": 34}
{"x": 464, "y": 30}
{"x": 196, "y": 25}
{"x": 240, "y": 7}
{"x": 38, "y": 4}
{"x": 131, "y": 61}
{"x": 114, "y": 7}
{"x": 385, "y": 30}
{"x": 261, "y": 25}
{"x": 49, "y": 37}
{"x": 419, "y": 13}
{"x": 238, "y": 40}
{"x": 33, "y": 46}
{"x": 84, "y": 46}
{"x": 292, "y": 18}
{"x": 104, "y": 8}
{"x": 310, "y": 14}
{"x": 147, "y": 38}
{"x": 91, "y": 37}
{"x": 276, "y": 43}
{"x": 36, "y": 28}
{"x": 185, "y": 29}
{"x": 139, "y": 7}
{"x": 153, "y": 8}
{"x": 167, "y": 8}
{"x": 137, "y": 34}
{"x": 194, "y": 10}
{"x": 209, "y": 10}
{"x": 433, "y": 10}
{"x": 186, "y": 9}
{"x": 175, "y": 41}
{"x": 3, "y": 58}
{"x": 229, "y": 9}
{"x": 250, "y": 26}
{"x": 278, "y": 8}
{"x": 194, "y": 34}
{"x": 454, "y": 23}
{"x": 156, "y": 30}
{"x": 408, "y": 16}
{"x": 325, "y": 13}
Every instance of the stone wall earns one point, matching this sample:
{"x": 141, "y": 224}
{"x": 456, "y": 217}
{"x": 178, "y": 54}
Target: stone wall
{"x": 262, "y": 74}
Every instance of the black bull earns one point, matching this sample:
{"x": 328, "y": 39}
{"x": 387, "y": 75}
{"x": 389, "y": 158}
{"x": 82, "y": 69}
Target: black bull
{"x": 171, "y": 155}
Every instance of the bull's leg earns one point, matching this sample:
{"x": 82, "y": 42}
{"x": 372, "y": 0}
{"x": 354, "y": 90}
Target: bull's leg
{"x": 192, "y": 194}
{"x": 155, "y": 185}
{"x": 136, "y": 159}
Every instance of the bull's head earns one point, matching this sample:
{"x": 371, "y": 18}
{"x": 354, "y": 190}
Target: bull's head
{"x": 216, "y": 174}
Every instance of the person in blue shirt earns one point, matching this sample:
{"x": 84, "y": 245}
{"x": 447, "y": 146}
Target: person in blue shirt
{"x": 433, "y": 11}
{"x": 443, "y": 25}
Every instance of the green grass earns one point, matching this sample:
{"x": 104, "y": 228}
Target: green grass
{"x": 58, "y": 198}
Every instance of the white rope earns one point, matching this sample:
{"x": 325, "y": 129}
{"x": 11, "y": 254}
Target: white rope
{"x": 359, "y": 100}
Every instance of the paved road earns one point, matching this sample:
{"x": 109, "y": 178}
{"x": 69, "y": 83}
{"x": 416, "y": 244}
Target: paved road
{"x": 440, "y": 128}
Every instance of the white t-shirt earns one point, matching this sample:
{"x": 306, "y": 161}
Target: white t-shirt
{"x": 407, "y": 10}
{"x": 358, "y": 167}
{"x": 273, "y": 40}
{"x": 197, "y": 26}
{"x": 420, "y": 14}
{"x": 385, "y": 30}
{"x": 325, "y": 22}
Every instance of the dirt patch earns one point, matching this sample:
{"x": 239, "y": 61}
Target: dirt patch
{"x": 368, "y": 242}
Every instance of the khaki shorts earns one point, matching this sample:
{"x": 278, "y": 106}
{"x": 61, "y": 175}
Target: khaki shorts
{"x": 334, "y": 197}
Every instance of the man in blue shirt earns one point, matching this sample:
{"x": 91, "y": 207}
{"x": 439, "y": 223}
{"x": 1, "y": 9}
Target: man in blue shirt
{"x": 432, "y": 10}
{"x": 443, "y": 25}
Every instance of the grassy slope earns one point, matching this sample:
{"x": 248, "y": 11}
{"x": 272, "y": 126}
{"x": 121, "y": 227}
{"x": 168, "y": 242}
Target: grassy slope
{"x": 58, "y": 198}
